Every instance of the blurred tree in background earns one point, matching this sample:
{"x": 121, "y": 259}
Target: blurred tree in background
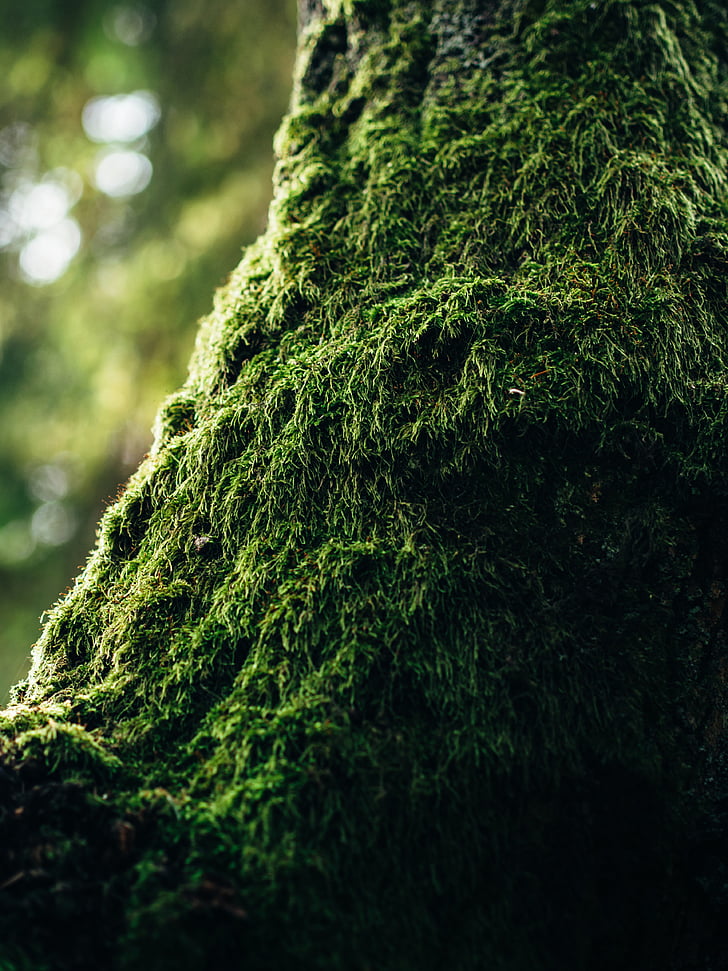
{"x": 130, "y": 172}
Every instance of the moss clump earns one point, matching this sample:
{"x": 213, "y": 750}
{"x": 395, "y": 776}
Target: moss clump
{"x": 412, "y": 621}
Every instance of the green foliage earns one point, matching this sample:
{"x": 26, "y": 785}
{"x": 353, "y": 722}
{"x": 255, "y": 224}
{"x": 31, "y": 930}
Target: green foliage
{"x": 412, "y": 615}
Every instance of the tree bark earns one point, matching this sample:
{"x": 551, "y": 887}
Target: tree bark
{"x": 405, "y": 647}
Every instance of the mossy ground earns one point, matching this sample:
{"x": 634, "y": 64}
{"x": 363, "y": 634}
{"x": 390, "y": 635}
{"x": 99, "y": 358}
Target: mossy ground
{"x": 406, "y": 642}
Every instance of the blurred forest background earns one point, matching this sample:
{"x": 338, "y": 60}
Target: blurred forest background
{"x": 135, "y": 162}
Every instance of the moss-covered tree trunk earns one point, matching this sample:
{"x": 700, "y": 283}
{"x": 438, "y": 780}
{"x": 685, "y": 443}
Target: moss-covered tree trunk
{"x": 404, "y": 650}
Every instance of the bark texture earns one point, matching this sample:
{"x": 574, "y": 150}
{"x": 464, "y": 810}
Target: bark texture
{"x": 405, "y": 647}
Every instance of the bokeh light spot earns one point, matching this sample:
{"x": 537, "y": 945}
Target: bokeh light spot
{"x": 120, "y": 117}
{"x": 39, "y": 206}
{"x": 131, "y": 25}
{"x": 17, "y": 143}
{"x": 123, "y": 173}
{"x": 16, "y": 542}
{"x": 52, "y": 524}
{"x": 46, "y": 256}
{"x": 48, "y": 482}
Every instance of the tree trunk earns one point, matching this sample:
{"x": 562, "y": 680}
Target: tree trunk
{"x": 405, "y": 647}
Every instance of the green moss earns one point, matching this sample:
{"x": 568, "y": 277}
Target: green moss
{"x": 66, "y": 745}
{"x": 412, "y": 610}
